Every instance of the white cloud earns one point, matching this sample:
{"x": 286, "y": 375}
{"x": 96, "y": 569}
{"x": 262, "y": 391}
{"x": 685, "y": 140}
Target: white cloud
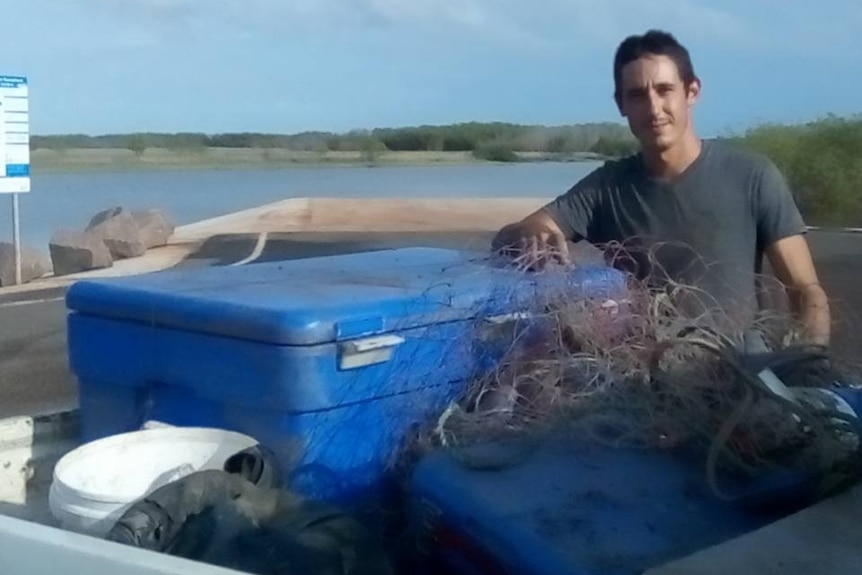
{"x": 784, "y": 26}
{"x": 586, "y": 24}
{"x": 554, "y": 24}
{"x": 194, "y": 17}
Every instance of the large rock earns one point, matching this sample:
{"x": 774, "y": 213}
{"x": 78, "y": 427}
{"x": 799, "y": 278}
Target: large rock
{"x": 155, "y": 227}
{"x": 118, "y": 229}
{"x": 74, "y": 251}
{"x": 34, "y": 264}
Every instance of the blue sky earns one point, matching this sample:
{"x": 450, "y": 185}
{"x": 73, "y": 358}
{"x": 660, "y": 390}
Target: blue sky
{"x": 98, "y": 66}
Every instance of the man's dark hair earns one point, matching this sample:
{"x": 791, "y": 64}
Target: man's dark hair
{"x": 653, "y": 43}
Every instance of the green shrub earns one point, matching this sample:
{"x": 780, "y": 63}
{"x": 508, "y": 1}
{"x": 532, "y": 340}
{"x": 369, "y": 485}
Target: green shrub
{"x": 822, "y": 162}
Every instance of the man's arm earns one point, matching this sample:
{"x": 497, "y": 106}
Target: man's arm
{"x": 781, "y": 232}
{"x": 791, "y": 261}
{"x": 543, "y": 235}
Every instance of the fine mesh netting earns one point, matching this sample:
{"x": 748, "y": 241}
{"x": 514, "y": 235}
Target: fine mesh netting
{"x": 649, "y": 368}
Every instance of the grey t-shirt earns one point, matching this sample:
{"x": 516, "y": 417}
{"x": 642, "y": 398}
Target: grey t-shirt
{"x": 708, "y": 228}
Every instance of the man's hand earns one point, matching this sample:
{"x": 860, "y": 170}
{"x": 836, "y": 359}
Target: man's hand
{"x": 790, "y": 259}
{"x": 533, "y": 242}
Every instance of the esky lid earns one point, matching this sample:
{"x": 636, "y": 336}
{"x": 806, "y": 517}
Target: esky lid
{"x": 318, "y": 300}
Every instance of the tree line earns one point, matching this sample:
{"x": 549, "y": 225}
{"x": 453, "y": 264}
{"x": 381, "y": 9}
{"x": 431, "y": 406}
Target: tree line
{"x": 485, "y": 139}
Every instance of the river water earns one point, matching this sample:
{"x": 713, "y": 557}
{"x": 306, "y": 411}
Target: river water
{"x": 68, "y": 200}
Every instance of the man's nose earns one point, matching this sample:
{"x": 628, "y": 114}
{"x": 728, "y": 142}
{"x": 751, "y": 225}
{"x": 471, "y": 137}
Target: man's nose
{"x": 654, "y": 104}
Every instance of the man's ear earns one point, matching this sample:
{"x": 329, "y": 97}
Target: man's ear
{"x": 694, "y": 91}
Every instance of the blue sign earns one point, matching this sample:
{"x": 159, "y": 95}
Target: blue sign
{"x": 12, "y": 82}
{"x": 14, "y": 134}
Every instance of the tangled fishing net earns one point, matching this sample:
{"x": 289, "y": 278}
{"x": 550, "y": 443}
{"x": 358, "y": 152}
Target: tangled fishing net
{"x": 639, "y": 372}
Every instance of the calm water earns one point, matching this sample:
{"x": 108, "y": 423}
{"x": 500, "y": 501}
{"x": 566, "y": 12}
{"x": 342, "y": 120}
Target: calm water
{"x": 69, "y": 200}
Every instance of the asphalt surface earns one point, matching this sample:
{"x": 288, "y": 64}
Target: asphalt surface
{"x": 35, "y": 376}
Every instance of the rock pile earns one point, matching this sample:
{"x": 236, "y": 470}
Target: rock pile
{"x": 111, "y": 235}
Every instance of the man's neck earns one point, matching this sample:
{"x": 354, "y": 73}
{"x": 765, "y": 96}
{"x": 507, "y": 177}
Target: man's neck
{"x": 670, "y": 163}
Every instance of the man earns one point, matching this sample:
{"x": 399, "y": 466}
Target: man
{"x": 687, "y": 210}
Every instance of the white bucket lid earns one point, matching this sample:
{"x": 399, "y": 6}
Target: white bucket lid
{"x": 125, "y": 467}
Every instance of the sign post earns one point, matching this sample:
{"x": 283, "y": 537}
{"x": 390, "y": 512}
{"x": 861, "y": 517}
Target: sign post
{"x": 15, "y": 150}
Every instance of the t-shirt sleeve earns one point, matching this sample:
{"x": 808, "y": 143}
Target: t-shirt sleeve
{"x": 777, "y": 214}
{"x": 575, "y": 211}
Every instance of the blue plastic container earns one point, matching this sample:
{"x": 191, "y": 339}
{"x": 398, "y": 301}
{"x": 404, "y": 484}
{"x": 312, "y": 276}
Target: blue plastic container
{"x": 568, "y": 509}
{"x": 330, "y": 362}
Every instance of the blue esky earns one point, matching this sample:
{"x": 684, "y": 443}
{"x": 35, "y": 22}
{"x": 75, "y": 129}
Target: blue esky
{"x": 99, "y": 66}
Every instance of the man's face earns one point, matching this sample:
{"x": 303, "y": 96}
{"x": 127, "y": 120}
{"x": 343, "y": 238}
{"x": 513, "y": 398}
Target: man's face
{"x": 656, "y": 102}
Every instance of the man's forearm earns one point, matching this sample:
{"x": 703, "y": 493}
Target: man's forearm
{"x": 811, "y": 307}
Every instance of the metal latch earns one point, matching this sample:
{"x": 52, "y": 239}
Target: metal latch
{"x": 367, "y": 351}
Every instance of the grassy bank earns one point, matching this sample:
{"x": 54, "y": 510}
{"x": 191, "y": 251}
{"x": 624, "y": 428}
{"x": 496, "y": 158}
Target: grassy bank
{"x": 108, "y": 159}
{"x": 822, "y": 161}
